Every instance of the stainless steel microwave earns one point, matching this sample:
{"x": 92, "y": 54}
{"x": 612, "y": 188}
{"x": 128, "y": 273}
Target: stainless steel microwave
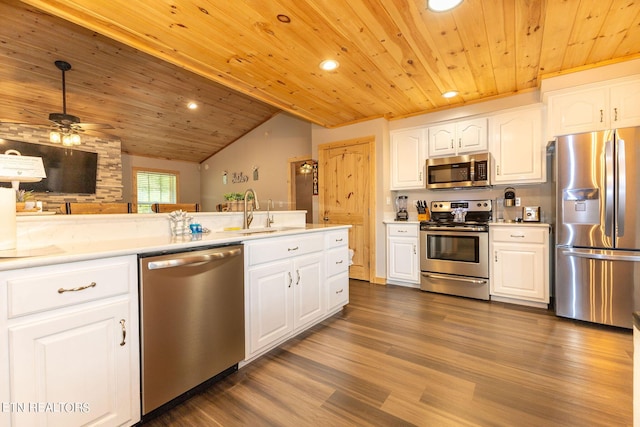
{"x": 472, "y": 170}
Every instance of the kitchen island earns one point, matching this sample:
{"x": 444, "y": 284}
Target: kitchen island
{"x": 71, "y": 306}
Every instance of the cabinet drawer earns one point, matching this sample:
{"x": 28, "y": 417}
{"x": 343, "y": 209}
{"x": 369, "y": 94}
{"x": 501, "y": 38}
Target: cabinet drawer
{"x": 402, "y": 230}
{"x": 519, "y": 234}
{"x": 337, "y": 261}
{"x": 45, "y": 288}
{"x": 338, "y": 290}
{"x": 273, "y": 249}
{"x": 337, "y": 238}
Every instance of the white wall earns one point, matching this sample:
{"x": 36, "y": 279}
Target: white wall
{"x": 189, "y": 181}
{"x": 269, "y": 146}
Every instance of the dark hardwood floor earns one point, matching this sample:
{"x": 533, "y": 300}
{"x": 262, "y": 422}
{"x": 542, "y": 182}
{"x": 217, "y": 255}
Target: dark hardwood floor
{"x": 397, "y": 356}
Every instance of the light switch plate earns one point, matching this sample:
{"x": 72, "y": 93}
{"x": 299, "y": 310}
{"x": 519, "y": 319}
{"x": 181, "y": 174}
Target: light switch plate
{"x": 517, "y": 201}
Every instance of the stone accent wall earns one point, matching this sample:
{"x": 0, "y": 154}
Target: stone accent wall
{"x": 109, "y": 178}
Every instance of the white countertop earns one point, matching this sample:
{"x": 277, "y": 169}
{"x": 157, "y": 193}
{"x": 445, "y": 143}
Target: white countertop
{"x": 519, "y": 224}
{"x": 79, "y": 249}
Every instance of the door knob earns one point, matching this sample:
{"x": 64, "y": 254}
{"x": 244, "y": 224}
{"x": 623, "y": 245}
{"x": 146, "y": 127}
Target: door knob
{"x": 326, "y": 218}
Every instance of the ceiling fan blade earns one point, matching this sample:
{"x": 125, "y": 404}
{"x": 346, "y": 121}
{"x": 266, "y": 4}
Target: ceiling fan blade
{"x": 37, "y": 118}
{"x": 99, "y": 134}
{"x": 93, "y": 126}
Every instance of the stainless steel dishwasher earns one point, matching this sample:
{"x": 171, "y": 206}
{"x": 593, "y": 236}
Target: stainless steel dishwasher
{"x": 191, "y": 320}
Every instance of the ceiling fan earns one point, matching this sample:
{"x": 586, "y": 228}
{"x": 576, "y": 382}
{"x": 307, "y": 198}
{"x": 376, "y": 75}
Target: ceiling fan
{"x": 66, "y": 128}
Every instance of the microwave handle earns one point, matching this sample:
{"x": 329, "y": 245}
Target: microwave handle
{"x": 472, "y": 173}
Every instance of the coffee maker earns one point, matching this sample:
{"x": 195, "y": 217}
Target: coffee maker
{"x": 401, "y": 208}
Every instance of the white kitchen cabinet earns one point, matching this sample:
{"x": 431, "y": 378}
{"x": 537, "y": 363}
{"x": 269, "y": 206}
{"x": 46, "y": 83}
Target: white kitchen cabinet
{"x": 72, "y": 343}
{"x": 408, "y": 159}
{"x": 288, "y": 288}
{"x": 519, "y": 271}
{"x": 459, "y": 137}
{"x": 403, "y": 254}
{"x": 517, "y": 147}
{"x": 283, "y": 296}
{"x": 337, "y": 269}
{"x": 596, "y": 107}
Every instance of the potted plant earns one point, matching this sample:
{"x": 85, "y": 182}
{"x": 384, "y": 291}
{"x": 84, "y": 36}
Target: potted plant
{"x": 233, "y": 201}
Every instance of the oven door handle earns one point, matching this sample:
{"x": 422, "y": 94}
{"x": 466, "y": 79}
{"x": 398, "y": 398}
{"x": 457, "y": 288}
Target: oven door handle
{"x": 459, "y": 279}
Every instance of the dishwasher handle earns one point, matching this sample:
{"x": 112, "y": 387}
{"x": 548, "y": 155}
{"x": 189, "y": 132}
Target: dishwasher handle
{"x": 193, "y": 259}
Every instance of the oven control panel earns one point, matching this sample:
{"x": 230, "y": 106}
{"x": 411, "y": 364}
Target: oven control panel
{"x": 467, "y": 205}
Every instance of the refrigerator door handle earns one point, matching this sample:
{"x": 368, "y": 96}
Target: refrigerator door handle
{"x": 608, "y": 189}
{"x": 622, "y": 188}
{"x": 603, "y": 255}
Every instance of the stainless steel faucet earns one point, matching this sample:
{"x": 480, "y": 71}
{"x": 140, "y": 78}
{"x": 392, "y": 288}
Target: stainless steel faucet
{"x": 247, "y": 218}
{"x": 269, "y": 219}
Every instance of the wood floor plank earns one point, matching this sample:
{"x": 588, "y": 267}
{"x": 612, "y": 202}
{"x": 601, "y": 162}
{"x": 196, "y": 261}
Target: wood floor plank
{"x": 399, "y": 356}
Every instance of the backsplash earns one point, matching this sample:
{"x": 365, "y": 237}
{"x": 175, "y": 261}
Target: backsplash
{"x": 109, "y": 179}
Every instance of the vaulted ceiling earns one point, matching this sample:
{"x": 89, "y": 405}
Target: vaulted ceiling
{"x": 136, "y": 64}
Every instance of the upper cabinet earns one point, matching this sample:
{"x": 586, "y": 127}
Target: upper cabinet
{"x": 517, "y": 146}
{"x": 598, "y": 107}
{"x": 459, "y": 137}
{"x": 408, "y": 158}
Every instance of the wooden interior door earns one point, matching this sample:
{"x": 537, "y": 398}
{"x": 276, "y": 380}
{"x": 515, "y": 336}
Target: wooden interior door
{"x": 346, "y": 191}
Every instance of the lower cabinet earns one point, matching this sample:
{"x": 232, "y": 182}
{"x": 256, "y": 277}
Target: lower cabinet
{"x": 519, "y": 271}
{"x": 72, "y": 344}
{"x": 287, "y": 293}
{"x": 403, "y": 258}
{"x": 283, "y": 296}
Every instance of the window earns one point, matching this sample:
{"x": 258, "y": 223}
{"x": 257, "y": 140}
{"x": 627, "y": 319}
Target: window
{"x": 154, "y": 186}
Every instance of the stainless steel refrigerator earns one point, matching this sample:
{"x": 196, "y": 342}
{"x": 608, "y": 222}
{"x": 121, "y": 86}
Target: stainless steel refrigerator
{"x": 598, "y": 226}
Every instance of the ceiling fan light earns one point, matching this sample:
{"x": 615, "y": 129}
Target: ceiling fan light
{"x": 442, "y": 5}
{"x": 67, "y": 140}
{"x": 75, "y": 139}
{"x": 55, "y": 137}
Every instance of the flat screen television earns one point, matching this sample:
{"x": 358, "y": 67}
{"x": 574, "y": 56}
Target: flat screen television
{"x": 68, "y": 170}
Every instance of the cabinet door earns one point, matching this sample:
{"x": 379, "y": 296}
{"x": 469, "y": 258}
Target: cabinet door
{"x": 271, "y": 304}
{"x": 578, "y": 112}
{"x": 79, "y": 362}
{"x": 407, "y": 159}
{"x": 442, "y": 140}
{"x": 402, "y": 262}
{"x": 471, "y": 135}
{"x": 309, "y": 303}
{"x": 517, "y": 147}
{"x": 519, "y": 271}
{"x": 625, "y": 108}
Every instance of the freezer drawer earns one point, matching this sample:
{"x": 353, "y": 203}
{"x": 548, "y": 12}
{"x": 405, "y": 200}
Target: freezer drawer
{"x": 598, "y": 286}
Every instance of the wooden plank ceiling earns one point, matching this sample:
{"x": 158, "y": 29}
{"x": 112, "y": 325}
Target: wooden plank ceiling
{"x": 136, "y": 64}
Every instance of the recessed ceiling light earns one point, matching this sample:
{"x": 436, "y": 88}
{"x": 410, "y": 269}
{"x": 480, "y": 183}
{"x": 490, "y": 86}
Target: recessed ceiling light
{"x": 192, "y": 105}
{"x": 442, "y": 5}
{"x": 329, "y": 64}
{"x": 450, "y": 94}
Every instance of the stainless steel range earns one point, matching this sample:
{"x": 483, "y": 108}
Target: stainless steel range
{"x": 455, "y": 248}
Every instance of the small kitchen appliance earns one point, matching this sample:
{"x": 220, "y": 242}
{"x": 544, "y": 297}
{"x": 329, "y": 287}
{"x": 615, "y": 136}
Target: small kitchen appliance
{"x": 509, "y": 196}
{"x": 401, "y": 208}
